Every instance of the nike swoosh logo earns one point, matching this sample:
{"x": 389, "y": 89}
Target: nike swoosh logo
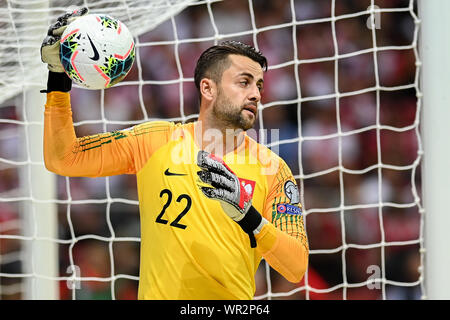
{"x": 168, "y": 173}
{"x": 96, "y": 55}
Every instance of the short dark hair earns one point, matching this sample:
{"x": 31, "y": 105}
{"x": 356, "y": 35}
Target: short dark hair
{"x": 214, "y": 60}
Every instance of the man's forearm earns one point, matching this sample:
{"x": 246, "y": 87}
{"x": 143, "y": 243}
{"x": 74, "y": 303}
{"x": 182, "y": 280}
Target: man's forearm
{"x": 284, "y": 253}
{"x": 59, "y": 133}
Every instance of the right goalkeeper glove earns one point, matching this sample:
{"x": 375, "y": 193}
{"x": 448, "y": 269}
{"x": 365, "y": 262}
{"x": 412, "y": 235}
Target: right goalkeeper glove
{"x": 233, "y": 193}
{"x": 50, "y": 45}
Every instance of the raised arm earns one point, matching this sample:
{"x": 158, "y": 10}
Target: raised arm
{"x": 102, "y": 154}
{"x": 92, "y": 156}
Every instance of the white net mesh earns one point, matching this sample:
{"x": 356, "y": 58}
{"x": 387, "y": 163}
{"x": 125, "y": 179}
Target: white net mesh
{"x": 23, "y": 25}
{"x": 342, "y": 88}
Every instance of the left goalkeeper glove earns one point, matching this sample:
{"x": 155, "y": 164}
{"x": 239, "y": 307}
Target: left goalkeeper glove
{"x": 230, "y": 190}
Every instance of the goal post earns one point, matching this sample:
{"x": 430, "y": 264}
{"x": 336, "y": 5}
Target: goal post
{"x": 39, "y": 210}
{"x": 39, "y": 215}
{"x": 435, "y": 82}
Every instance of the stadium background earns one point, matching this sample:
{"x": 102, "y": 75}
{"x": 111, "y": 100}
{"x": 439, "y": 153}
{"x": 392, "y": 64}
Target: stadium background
{"x": 318, "y": 118}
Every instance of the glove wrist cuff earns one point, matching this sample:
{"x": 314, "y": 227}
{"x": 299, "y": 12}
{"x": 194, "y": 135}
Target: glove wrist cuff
{"x": 58, "y": 81}
{"x": 251, "y": 220}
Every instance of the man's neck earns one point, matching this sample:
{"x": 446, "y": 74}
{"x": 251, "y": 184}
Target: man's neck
{"x": 217, "y": 139}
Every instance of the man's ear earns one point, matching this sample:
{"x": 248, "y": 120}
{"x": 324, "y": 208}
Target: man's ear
{"x": 208, "y": 89}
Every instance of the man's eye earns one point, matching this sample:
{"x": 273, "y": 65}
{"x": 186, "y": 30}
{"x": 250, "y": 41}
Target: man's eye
{"x": 244, "y": 82}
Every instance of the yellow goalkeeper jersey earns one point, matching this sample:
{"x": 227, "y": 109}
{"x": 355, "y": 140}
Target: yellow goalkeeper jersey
{"x": 190, "y": 249}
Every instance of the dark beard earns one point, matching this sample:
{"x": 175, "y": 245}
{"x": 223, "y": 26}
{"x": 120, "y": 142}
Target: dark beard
{"x": 229, "y": 115}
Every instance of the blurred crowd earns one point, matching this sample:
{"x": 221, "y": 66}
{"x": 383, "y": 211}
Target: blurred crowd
{"x": 350, "y": 235}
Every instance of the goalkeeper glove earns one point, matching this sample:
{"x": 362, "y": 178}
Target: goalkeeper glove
{"x": 50, "y": 45}
{"x": 232, "y": 192}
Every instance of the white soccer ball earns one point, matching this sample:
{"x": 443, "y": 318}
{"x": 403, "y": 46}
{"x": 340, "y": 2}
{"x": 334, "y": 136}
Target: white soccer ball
{"x": 97, "y": 51}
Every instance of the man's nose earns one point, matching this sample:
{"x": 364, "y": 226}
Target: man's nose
{"x": 255, "y": 94}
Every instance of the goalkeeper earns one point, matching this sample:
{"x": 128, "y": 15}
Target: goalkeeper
{"x": 213, "y": 202}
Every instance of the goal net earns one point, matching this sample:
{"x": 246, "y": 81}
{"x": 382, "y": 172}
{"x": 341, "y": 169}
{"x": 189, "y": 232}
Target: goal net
{"x": 342, "y": 89}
